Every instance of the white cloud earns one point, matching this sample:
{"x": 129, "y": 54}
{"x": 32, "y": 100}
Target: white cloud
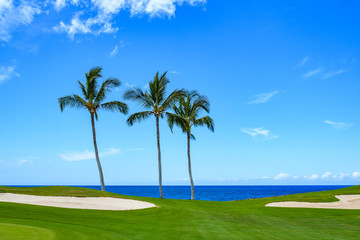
{"x": 109, "y": 6}
{"x": 86, "y": 155}
{"x": 263, "y": 97}
{"x": 302, "y": 63}
{"x": 14, "y": 14}
{"x": 130, "y": 85}
{"x": 174, "y": 72}
{"x": 94, "y": 25}
{"x": 326, "y": 175}
{"x": 60, "y": 4}
{"x": 259, "y": 133}
{"x": 338, "y": 125}
{"x": 22, "y": 161}
{"x": 7, "y": 73}
{"x": 282, "y": 176}
{"x": 26, "y": 160}
{"x": 106, "y": 10}
{"x": 312, "y": 73}
{"x": 333, "y": 73}
{"x": 312, "y": 177}
{"x": 356, "y": 175}
{"x": 100, "y": 14}
{"x": 265, "y": 177}
{"x": 114, "y": 52}
{"x": 159, "y": 8}
{"x": 343, "y": 175}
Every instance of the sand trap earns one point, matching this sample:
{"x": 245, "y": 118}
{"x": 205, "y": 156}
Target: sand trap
{"x": 98, "y": 203}
{"x": 346, "y": 202}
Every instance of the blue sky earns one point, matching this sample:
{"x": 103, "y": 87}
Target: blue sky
{"x": 282, "y": 78}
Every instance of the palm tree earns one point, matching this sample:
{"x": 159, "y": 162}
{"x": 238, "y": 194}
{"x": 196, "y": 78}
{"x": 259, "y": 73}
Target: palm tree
{"x": 92, "y": 100}
{"x": 186, "y": 117}
{"x": 156, "y": 103}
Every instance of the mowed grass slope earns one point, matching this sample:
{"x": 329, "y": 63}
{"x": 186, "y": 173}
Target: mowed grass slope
{"x": 178, "y": 219}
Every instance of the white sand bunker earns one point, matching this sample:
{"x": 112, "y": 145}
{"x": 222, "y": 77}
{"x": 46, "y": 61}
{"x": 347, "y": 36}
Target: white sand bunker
{"x": 345, "y": 202}
{"x": 98, "y": 203}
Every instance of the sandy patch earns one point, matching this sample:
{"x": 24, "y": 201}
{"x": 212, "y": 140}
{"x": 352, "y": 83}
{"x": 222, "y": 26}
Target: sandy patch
{"x": 345, "y": 202}
{"x": 98, "y": 203}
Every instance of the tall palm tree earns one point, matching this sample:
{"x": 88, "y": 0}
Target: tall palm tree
{"x": 186, "y": 116}
{"x": 92, "y": 100}
{"x": 156, "y": 103}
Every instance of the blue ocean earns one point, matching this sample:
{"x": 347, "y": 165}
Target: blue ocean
{"x": 216, "y": 193}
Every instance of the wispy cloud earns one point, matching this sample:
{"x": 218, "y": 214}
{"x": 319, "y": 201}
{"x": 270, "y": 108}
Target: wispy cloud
{"x": 60, "y": 4}
{"x": 26, "y": 160}
{"x": 343, "y": 175}
{"x": 312, "y": 73}
{"x": 160, "y": 8}
{"x": 174, "y": 72}
{"x": 326, "y": 175}
{"x": 356, "y": 175}
{"x": 86, "y": 155}
{"x": 114, "y": 52}
{"x": 262, "y": 98}
{"x": 312, "y": 177}
{"x": 130, "y": 85}
{"x": 7, "y": 72}
{"x": 339, "y": 125}
{"x": 303, "y": 61}
{"x": 333, "y": 73}
{"x": 106, "y": 10}
{"x": 259, "y": 133}
{"x": 265, "y": 177}
{"x": 282, "y": 176}
{"x": 93, "y": 25}
{"x": 22, "y": 161}
{"x": 14, "y": 14}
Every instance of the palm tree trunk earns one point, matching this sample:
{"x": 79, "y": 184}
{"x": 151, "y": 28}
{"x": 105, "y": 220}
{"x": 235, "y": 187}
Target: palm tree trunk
{"x": 189, "y": 164}
{"x": 159, "y": 156}
{"x": 97, "y": 154}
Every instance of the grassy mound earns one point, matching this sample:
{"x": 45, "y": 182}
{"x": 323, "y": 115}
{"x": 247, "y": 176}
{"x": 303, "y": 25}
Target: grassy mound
{"x": 178, "y": 219}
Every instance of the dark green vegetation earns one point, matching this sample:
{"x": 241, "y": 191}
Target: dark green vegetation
{"x": 93, "y": 100}
{"x": 186, "y": 115}
{"x": 156, "y": 103}
{"x": 179, "y": 219}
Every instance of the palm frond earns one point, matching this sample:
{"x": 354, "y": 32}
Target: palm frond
{"x": 200, "y": 103}
{"x": 115, "y": 106}
{"x": 83, "y": 90}
{"x": 186, "y": 112}
{"x": 72, "y": 101}
{"x": 91, "y": 82}
{"x": 105, "y": 88}
{"x": 161, "y": 91}
{"x": 157, "y": 88}
{"x": 137, "y": 117}
{"x": 136, "y": 94}
{"x": 205, "y": 121}
{"x": 192, "y": 136}
{"x": 174, "y": 119}
{"x": 171, "y": 100}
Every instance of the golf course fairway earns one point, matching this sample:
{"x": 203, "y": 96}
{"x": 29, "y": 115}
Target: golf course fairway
{"x": 178, "y": 219}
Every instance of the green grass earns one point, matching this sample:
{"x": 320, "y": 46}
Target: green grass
{"x": 179, "y": 219}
